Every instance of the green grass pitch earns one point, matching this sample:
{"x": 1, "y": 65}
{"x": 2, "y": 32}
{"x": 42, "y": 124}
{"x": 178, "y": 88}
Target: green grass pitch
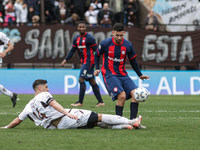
{"x": 173, "y": 123}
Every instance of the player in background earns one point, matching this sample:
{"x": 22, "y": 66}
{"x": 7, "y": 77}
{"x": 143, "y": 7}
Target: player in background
{"x": 119, "y": 85}
{"x": 45, "y": 111}
{"x": 86, "y": 46}
{"x": 5, "y": 40}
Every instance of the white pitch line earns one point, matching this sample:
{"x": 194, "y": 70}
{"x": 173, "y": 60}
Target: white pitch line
{"x": 164, "y": 111}
{"x": 7, "y": 113}
{"x": 196, "y": 118}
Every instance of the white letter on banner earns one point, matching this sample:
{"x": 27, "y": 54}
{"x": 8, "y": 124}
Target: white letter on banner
{"x": 192, "y": 92}
{"x": 146, "y": 56}
{"x": 87, "y": 91}
{"x": 186, "y": 50}
{"x": 166, "y": 87}
{"x": 162, "y": 56}
{"x": 133, "y": 77}
{"x": 66, "y": 83}
{"x": 174, "y": 88}
{"x": 101, "y": 84}
{"x": 142, "y": 85}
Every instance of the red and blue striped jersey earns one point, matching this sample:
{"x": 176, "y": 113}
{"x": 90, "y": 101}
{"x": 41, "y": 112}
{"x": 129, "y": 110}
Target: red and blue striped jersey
{"x": 86, "y": 46}
{"x": 114, "y": 56}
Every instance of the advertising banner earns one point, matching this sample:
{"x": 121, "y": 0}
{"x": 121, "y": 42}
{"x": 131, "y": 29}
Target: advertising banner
{"x": 51, "y": 44}
{"x": 179, "y": 13}
{"x": 65, "y": 81}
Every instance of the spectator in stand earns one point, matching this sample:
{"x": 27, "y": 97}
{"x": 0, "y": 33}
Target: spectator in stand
{"x": 49, "y": 14}
{"x": 2, "y": 10}
{"x": 61, "y": 12}
{"x": 102, "y": 2}
{"x": 56, "y": 3}
{"x": 1, "y": 19}
{"x": 105, "y": 16}
{"x": 35, "y": 4}
{"x": 72, "y": 19}
{"x": 96, "y": 5}
{"x": 131, "y": 10}
{"x": 18, "y": 6}
{"x": 87, "y": 5}
{"x": 117, "y": 6}
{"x": 23, "y": 11}
{"x": 151, "y": 22}
{"x": 77, "y": 6}
{"x": 33, "y": 19}
{"x": 91, "y": 17}
{"x": 68, "y": 3}
{"x": 5, "y": 2}
{"x": 10, "y": 13}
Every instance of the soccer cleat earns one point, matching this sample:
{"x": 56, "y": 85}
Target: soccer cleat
{"x": 77, "y": 104}
{"x": 127, "y": 126}
{"x": 14, "y": 99}
{"x": 136, "y": 122}
{"x": 100, "y": 104}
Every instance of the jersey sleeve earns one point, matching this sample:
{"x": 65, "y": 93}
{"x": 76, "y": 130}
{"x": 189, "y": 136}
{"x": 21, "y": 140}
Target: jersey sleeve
{"x": 100, "y": 49}
{"x": 93, "y": 43}
{"x": 4, "y": 39}
{"x": 24, "y": 114}
{"x": 74, "y": 42}
{"x": 131, "y": 52}
{"x": 47, "y": 98}
{"x": 99, "y": 52}
{"x": 72, "y": 51}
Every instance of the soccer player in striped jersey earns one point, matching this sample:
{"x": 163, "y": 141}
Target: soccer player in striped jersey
{"x": 5, "y": 40}
{"x": 86, "y": 46}
{"x": 119, "y": 85}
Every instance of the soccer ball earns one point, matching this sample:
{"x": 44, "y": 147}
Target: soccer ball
{"x": 141, "y": 94}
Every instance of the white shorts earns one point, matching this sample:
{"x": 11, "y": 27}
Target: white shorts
{"x": 68, "y": 123}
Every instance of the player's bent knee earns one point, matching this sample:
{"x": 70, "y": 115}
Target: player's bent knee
{"x": 132, "y": 92}
{"x": 122, "y": 96}
{"x": 81, "y": 80}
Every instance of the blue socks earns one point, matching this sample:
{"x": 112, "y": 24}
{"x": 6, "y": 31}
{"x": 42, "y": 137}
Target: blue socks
{"x": 119, "y": 110}
{"x": 97, "y": 93}
{"x": 133, "y": 110}
{"x": 82, "y": 92}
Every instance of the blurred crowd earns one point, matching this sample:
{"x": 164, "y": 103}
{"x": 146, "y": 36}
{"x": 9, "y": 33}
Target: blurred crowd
{"x": 95, "y": 13}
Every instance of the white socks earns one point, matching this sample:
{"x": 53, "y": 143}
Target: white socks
{"x": 114, "y": 119}
{"x": 5, "y": 91}
{"x": 117, "y": 126}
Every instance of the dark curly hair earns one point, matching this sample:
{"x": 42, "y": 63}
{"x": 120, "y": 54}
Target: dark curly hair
{"x": 118, "y": 27}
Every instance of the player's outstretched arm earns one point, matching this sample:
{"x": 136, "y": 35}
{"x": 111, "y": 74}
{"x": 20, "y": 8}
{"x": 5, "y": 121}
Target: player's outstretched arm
{"x": 9, "y": 48}
{"x": 63, "y": 63}
{"x": 13, "y": 124}
{"x": 143, "y": 77}
{"x": 59, "y": 108}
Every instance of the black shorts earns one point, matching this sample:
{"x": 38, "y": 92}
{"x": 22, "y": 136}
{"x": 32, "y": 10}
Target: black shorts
{"x": 93, "y": 119}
